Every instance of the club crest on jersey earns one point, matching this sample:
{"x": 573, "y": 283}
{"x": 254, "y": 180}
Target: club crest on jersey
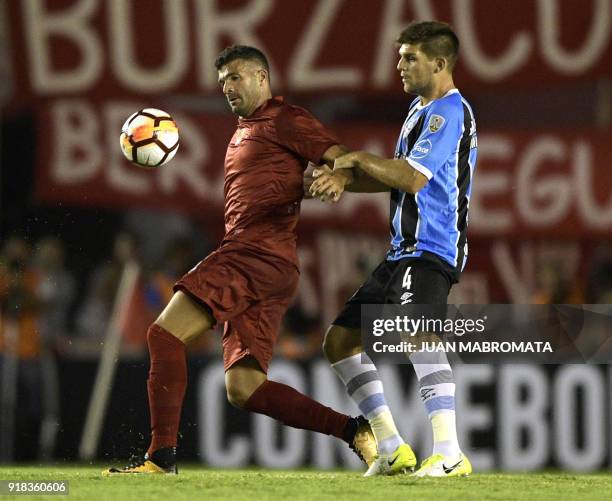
{"x": 435, "y": 123}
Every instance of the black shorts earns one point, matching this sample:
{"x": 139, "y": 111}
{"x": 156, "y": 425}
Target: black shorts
{"x": 406, "y": 281}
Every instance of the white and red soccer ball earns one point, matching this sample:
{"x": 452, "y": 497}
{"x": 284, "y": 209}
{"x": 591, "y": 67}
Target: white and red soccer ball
{"x": 149, "y": 138}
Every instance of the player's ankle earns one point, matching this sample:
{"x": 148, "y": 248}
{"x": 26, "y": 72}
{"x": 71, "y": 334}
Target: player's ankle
{"x": 164, "y": 457}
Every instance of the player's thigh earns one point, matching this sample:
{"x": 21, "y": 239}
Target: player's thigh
{"x": 341, "y": 342}
{"x": 185, "y": 319}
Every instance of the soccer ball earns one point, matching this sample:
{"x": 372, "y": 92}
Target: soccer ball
{"x": 149, "y": 138}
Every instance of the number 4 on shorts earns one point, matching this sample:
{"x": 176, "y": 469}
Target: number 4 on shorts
{"x": 407, "y": 280}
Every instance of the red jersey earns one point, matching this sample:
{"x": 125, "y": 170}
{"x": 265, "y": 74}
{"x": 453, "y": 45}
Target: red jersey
{"x": 264, "y": 169}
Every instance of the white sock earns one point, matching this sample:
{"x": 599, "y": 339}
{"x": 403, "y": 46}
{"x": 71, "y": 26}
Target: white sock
{"x": 363, "y": 384}
{"x": 437, "y": 389}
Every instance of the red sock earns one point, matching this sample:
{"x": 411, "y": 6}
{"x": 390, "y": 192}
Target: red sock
{"x": 166, "y": 386}
{"x": 291, "y": 408}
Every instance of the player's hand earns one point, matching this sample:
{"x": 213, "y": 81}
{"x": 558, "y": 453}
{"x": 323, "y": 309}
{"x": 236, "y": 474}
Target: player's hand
{"x": 329, "y": 186}
{"x": 321, "y": 169}
{"x": 311, "y": 174}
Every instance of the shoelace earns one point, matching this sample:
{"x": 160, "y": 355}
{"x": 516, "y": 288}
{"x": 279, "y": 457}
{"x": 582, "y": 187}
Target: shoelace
{"x": 135, "y": 462}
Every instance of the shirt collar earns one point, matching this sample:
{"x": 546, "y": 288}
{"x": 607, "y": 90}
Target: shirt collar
{"x": 264, "y": 107}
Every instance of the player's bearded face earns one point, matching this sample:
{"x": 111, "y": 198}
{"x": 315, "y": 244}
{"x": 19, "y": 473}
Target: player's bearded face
{"x": 242, "y": 86}
{"x": 416, "y": 69}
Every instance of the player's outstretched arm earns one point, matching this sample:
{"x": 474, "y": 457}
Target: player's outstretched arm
{"x": 364, "y": 183}
{"x": 394, "y": 173}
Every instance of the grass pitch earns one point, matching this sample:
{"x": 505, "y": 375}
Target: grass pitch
{"x": 195, "y": 482}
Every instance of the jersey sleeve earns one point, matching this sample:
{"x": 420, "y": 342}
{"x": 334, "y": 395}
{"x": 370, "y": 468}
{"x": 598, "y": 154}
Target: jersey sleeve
{"x": 300, "y": 132}
{"x": 439, "y": 138}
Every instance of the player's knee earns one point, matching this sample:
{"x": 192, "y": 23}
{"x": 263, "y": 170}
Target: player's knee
{"x": 154, "y": 330}
{"x": 238, "y": 395}
{"x": 340, "y": 343}
{"x": 329, "y": 343}
{"x": 333, "y": 343}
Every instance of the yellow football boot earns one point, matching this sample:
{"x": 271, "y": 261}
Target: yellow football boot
{"x": 401, "y": 460}
{"x": 439, "y": 465}
{"x": 161, "y": 462}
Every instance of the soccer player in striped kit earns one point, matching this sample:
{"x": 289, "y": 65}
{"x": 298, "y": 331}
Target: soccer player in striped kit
{"x": 430, "y": 180}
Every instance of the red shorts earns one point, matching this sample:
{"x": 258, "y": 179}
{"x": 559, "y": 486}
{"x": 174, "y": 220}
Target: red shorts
{"x": 249, "y": 292}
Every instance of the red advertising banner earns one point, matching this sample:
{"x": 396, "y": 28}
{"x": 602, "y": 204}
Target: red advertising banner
{"x": 538, "y": 184}
{"x": 117, "y": 49}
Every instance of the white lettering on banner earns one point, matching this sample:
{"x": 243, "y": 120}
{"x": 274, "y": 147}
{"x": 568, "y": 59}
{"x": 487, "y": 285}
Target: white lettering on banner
{"x": 513, "y": 187}
{"x": 77, "y": 155}
{"x": 547, "y": 201}
{"x": 238, "y": 24}
{"x": 523, "y": 415}
{"x": 216, "y": 450}
{"x": 489, "y": 183}
{"x": 548, "y": 414}
{"x": 477, "y": 61}
{"x": 582, "y": 161}
{"x": 589, "y": 381}
{"x": 212, "y": 24}
{"x": 392, "y": 24}
{"x": 188, "y": 166}
{"x": 597, "y": 36}
{"x": 122, "y": 35}
{"x": 540, "y": 200}
{"x": 302, "y": 73}
{"x": 70, "y": 23}
{"x": 473, "y": 416}
{"x": 76, "y": 152}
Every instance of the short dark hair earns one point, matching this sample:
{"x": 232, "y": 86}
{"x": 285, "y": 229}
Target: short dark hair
{"x": 436, "y": 39}
{"x": 234, "y": 52}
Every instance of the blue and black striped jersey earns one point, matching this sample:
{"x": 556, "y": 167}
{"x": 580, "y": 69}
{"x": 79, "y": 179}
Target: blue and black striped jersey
{"x": 438, "y": 140}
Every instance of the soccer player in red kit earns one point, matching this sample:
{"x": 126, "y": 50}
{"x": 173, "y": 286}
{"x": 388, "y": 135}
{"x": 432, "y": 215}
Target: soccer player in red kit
{"x": 250, "y": 280}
